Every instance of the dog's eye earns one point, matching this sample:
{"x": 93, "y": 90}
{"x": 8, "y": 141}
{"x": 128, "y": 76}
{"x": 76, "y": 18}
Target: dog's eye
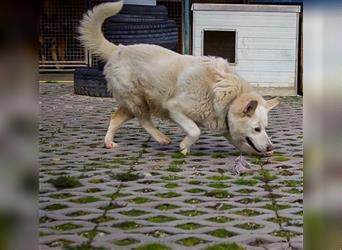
{"x": 258, "y": 129}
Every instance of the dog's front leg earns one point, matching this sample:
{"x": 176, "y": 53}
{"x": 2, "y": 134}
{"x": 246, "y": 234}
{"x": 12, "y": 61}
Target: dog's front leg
{"x": 190, "y": 127}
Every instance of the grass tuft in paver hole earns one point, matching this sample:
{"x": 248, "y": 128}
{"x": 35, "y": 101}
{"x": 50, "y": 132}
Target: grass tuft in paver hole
{"x": 134, "y": 212}
{"x": 192, "y": 213}
{"x": 127, "y": 225}
{"x": 219, "y": 219}
{"x": 217, "y": 193}
{"x": 83, "y": 247}
{"x": 102, "y": 218}
{"x": 168, "y": 195}
{"x": 249, "y": 226}
{"x": 248, "y": 212}
{"x": 191, "y": 241}
{"x": 221, "y": 206}
{"x": 113, "y": 206}
{"x": 178, "y": 155}
{"x": 279, "y": 220}
{"x": 171, "y": 185}
{"x": 124, "y": 177}
{"x": 66, "y": 227}
{"x": 45, "y": 219}
{"x": 77, "y": 213}
{"x": 218, "y": 155}
{"x": 218, "y": 185}
{"x": 219, "y": 177}
{"x": 284, "y": 234}
{"x": 171, "y": 177}
{"x": 125, "y": 242}
{"x": 166, "y": 206}
{"x": 83, "y": 200}
{"x": 221, "y": 233}
{"x": 194, "y": 182}
{"x": 225, "y": 246}
{"x": 246, "y": 182}
{"x": 153, "y": 246}
{"x": 250, "y": 200}
{"x": 276, "y": 207}
{"x": 65, "y": 181}
{"x": 159, "y": 234}
{"x": 265, "y": 176}
{"x": 140, "y": 200}
{"x": 161, "y": 219}
{"x": 60, "y": 196}
{"x": 195, "y": 190}
{"x": 193, "y": 201}
{"x": 246, "y": 190}
{"x": 55, "y": 207}
{"x": 293, "y": 191}
{"x": 96, "y": 181}
{"x": 90, "y": 234}
{"x": 59, "y": 243}
{"x": 189, "y": 226}
{"x": 93, "y": 190}
{"x": 281, "y": 158}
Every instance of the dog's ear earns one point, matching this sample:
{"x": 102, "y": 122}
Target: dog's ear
{"x": 250, "y": 108}
{"x": 224, "y": 92}
{"x": 270, "y": 104}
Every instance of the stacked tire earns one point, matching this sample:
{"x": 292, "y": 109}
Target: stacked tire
{"x": 133, "y": 25}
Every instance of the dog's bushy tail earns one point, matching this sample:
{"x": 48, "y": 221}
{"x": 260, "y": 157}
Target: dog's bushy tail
{"x": 90, "y": 29}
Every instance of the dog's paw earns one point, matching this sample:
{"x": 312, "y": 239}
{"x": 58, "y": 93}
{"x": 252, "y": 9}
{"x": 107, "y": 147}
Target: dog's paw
{"x": 110, "y": 145}
{"x": 184, "y": 149}
{"x": 164, "y": 141}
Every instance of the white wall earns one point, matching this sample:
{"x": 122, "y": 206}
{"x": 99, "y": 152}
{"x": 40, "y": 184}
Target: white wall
{"x": 140, "y": 2}
{"x": 266, "y": 43}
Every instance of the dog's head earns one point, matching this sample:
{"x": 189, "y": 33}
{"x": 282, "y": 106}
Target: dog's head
{"x": 247, "y": 122}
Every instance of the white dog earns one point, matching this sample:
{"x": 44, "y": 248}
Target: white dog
{"x": 148, "y": 80}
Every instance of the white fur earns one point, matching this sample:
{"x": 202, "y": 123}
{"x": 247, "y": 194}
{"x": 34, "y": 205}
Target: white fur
{"x": 192, "y": 91}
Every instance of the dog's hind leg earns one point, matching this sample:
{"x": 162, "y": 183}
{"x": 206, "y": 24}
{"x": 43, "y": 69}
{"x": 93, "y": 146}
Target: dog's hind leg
{"x": 147, "y": 124}
{"x": 118, "y": 118}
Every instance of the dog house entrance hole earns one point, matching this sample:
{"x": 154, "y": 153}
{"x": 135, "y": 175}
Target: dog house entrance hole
{"x": 220, "y": 43}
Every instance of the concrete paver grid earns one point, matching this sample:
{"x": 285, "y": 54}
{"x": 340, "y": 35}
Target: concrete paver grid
{"x": 142, "y": 193}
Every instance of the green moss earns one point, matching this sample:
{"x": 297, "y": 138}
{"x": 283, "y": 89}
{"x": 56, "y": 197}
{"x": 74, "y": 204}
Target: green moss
{"x": 140, "y": 200}
{"x": 250, "y": 200}
{"x": 102, "y": 218}
{"x": 161, "y": 219}
{"x": 265, "y": 176}
{"x": 165, "y": 207}
{"x": 194, "y": 182}
{"x": 134, "y": 212}
{"x": 198, "y": 153}
{"x": 189, "y": 226}
{"x": 89, "y": 234}
{"x": 195, "y": 190}
{"x": 93, "y": 190}
{"x": 221, "y": 206}
{"x": 225, "y": 246}
{"x": 247, "y": 182}
{"x": 284, "y": 234}
{"x": 127, "y": 225}
{"x": 218, "y": 155}
{"x": 60, "y": 196}
{"x": 276, "y": 207}
{"x": 96, "y": 181}
{"x": 125, "y": 242}
{"x": 178, "y": 155}
{"x": 249, "y": 226}
{"x": 112, "y": 206}
{"x": 217, "y": 193}
{"x": 246, "y": 190}
{"x": 77, "y": 213}
{"x": 279, "y": 220}
{"x": 127, "y": 176}
{"x": 171, "y": 177}
{"x": 55, "y": 207}
{"x": 294, "y": 191}
{"x": 248, "y": 212}
{"x": 292, "y": 183}
{"x": 190, "y": 241}
{"x": 116, "y": 195}
{"x": 218, "y": 185}
{"x": 65, "y": 181}
{"x": 281, "y": 158}
{"x": 193, "y": 201}
{"x": 83, "y": 200}
{"x": 159, "y": 234}
{"x": 221, "y": 233}
{"x": 286, "y": 172}
{"x": 154, "y": 246}
{"x": 191, "y": 213}
{"x": 174, "y": 165}
{"x": 45, "y": 219}
{"x": 171, "y": 185}
{"x": 219, "y": 219}
{"x": 66, "y": 227}
{"x": 219, "y": 177}
{"x": 168, "y": 195}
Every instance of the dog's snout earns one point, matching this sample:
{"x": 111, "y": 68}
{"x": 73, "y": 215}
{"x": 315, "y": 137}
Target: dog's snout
{"x": 269, "y": 147}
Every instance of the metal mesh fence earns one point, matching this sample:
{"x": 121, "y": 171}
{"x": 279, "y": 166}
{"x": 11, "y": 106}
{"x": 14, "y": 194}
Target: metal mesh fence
{"x": 59, "y": 48}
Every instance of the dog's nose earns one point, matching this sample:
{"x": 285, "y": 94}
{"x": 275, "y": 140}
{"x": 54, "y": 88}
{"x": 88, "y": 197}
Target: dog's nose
{"x": 269, "y": 148}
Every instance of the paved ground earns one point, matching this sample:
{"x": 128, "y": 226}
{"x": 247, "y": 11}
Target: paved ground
{"x": 142, "y": 193}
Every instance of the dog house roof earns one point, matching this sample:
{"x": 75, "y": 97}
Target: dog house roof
{"x": 246, "y": 7}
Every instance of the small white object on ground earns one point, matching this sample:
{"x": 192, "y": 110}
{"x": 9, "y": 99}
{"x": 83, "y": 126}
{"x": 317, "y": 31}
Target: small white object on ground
{"x": 242, "y": 166}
